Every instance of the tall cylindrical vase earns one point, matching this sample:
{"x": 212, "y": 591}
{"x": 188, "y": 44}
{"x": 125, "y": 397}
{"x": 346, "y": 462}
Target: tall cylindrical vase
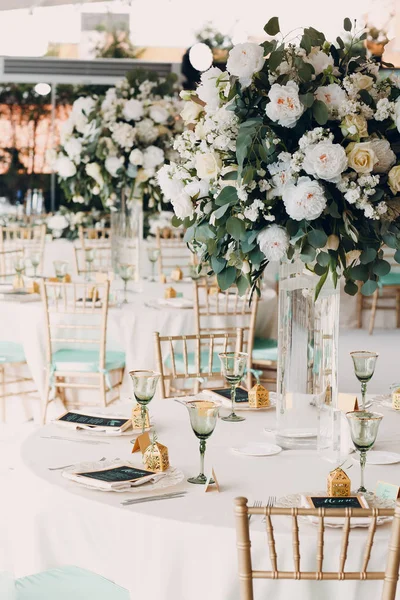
{"x": 307, "y": 354}
{"x": 126, "y": 235}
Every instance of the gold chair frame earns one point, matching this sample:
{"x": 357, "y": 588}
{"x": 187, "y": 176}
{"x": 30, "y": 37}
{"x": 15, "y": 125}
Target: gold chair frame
{"x": 173, "y": 252}
{"x": 28, "y": 238}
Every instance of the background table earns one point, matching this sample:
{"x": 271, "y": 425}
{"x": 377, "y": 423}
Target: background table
{"x": 183, "y": 548}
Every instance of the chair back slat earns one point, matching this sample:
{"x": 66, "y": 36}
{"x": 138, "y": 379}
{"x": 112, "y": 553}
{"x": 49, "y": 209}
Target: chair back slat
{"x": 247, "y": 574}
{"x": 173, "y": 252}
{"x": 29, "y": 239}
{"x": 102, "y": 259}
{"x": 7, "y": 260}
{"x": 94, "y": 236}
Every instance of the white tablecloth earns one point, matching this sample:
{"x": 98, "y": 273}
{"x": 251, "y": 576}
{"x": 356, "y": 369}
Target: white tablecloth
{"x": 185, "y": 548}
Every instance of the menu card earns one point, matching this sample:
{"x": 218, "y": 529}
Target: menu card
{"x": 80, "y": 420}
{"x": 116, "y": 477}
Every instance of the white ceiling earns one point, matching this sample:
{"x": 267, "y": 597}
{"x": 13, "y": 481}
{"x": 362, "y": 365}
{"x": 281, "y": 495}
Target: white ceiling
{"x": 16, "y": 4}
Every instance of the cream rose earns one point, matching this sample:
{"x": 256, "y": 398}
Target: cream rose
{"x": 363, "y": 82}
{"x": 361, "y": 157}
{"x": 208, "y": 165}
{"x": 191, "y": 112}
{"x": 354, "y": 127}
{"x": 394, "y": 179}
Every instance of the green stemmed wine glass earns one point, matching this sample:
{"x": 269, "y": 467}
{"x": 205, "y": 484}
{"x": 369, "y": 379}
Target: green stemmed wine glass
{"x": 364, "y": 367}
{"x": 19, "y": 266}
{"x": 89, "y": 258}
{"x": 364, "y": 427}
{"x": 203, "y": 419}
{"x": 144, "y": 388}
{"x": 126, "y": 272}
{"x": 233, "y": 366}
{"x": 152, "y": 254}
{"x": 35, "y": 258}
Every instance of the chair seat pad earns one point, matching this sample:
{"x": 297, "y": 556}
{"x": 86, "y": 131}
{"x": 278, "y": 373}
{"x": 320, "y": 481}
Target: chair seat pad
{"x": 191, "y": 358}
{"x": 86, "y": 361}
{"x": 392, "y": 278}
{"x": 265, "y": 349}
{"x": 10, "y": 352}
{"x": 68, "y": 583}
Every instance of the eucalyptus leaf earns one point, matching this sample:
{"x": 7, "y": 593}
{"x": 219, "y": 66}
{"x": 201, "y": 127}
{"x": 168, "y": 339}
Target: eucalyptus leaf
{"x": 359, "y": 273}
{"x": 242, "y": 284}
{"x": 347, "y": 26}
{"x": 235, "y": 227}
{"x": 226, "y": 278}
{"x": 175, "y": 222}
{"x": 307, "y": 254}
{"x": 351, "y": 288}
{"x": 323, "y": 259}
{"x": 320, "y": 112}
{"x": 275, "y": 60}
{"x": 218, "y": 264}
{"x": 228, "y": 195}
{"x": 368, "y": 255}
{"x": 381, "y": 268}
{"x": 219, "y": 213}
{"x": 369, "y": 287}
{"x": 317, "y": 238}
{"x": 307, "y": 99}
{"x": 397, "y": 256}
{"x": 272, "y": 27}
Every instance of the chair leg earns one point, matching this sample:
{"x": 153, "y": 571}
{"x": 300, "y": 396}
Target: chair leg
{"x": 103, "y": 390}
{"x": 3, "y": 396}
{"x": 46, "y": 395}
{"x": 373, "y": 312}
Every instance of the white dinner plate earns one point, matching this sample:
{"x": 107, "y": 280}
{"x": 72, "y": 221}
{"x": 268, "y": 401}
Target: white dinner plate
{"x": 258, "y": 449}
{"x": 376, "y": 457}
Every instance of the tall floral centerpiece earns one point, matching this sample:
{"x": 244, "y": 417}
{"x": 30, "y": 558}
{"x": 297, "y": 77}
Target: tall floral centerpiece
{"x": 292, "y": 155}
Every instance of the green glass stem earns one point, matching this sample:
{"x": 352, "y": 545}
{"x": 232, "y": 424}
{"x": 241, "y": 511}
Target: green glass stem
{"x": 125, "y": 291}
{"x": 143, "y": 414}
{"x": 233, "y": 399}
{"x": 202, "y": 453}
{"x": 363, "y": 460}
{"x": 363, "y": 393}
{"x": 153, "y": 264}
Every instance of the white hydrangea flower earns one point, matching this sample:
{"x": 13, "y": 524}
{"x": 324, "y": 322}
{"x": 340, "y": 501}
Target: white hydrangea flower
{"x": 146, "y": 132}
{"x": 133, "y": 110}
{"x": 251, "y": 212}
{"x": 273, "y": 242}
{"x": 304, "y": 199}
{"x": 123, "y": 135}
{"x": 244, "y": 60}
{"x": 113, "y": 164}
{"x": 353, "y": 195}
{"x": 384, "y": 109}
{"x": 152, "y": 157}
{"x": 136, "y": 157}
{"x": 158, "y": 113}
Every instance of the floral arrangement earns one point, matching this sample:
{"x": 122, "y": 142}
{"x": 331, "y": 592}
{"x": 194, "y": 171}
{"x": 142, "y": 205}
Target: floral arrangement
{"x": 294, "y": 152}
{"x": 65, "y": 223}
{"x": 113, "y": 144}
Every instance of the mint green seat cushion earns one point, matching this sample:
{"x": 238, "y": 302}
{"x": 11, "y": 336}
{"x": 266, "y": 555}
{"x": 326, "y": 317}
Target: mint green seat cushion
{"x": 68, "y": 583}
{"x": 180, "y": 364}
{"x": 265, "y": 349}
{"x": 86, "y": 361}
{"x": 10, "y": 352}
{"x": 392, "y": 278}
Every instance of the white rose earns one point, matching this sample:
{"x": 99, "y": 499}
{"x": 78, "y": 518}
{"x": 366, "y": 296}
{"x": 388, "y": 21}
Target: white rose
{"x": 306, "y": 200}
{"x": 73, "y": 147}
{"x": 96, "y": 190}
{"x": 284, "y": 107}
{"x": 384, "y": 154}
{"x": 81, "y": 109}
{"x": 325, "y": 160}
{"x": 198, "y": 188}
{"x": 332, "y": 95}
{"x": 208, "y": 90}
{"x": 158, "y": 113}
{"x": 57, "y": 222}
{"x": 362, "y": 82}
{"x": 133, "y": 110}
{"x": 361, "y": 157}
{"x": 319, "y": 60}
{"x": 182, "y": 205}
{"x": 146, "y": 131}
{"x": 113, "y": 164}
{"x": 208, "y": 165}
{"x": 65, "y": 167}
{"x": 136, "y": 157}
{"x": 94, "y": 171}
{"x": 273, "y": 241}
{"x": 244, "y": 60}
{"x": 354, "y": 127}
{"x": 191, "y": 112}
{"x": 66, "y": 129}
{"x": 171, "y": 188}
{"x": 78, "y": 200}
{"x": 152, "y": 157}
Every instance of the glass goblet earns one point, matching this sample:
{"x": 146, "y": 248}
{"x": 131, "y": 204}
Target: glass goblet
{"x": 19, "y": 266}
{"x": 61, "y": 269}
{"x": 126, "y": 272}
{"x": 34, "y": 258}
{"x": 203, "y": 419}
{"x": 153, "y": 254}
{"x": 89, "y": 258}
{"x": 364, "y": 367}
{"x": 364, "y": 427}
{"x": 144, "y": 388}
{"x": 233, "y": 366}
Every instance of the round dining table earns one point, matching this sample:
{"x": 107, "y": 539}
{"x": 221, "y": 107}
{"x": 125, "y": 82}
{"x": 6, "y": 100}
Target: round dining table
{"x": 185, "y": 548}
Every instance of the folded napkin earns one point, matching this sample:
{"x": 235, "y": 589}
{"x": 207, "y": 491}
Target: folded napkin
{"x": 176, "y": 302}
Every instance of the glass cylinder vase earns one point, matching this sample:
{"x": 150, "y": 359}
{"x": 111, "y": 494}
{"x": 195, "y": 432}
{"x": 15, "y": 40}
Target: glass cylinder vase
{"x": 126, "y": 235}
{"x": 308, "y": 334}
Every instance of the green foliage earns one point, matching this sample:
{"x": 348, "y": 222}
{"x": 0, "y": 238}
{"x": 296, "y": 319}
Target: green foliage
{"x": 272, "y": 27}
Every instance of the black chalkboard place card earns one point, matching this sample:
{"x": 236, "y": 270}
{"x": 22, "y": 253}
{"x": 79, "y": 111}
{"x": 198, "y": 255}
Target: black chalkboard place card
{"x": 336, "y": 502}
{"x": 119, "y": 476}
{"x": 83, "y": 420}
{"x": 242, "y": 395}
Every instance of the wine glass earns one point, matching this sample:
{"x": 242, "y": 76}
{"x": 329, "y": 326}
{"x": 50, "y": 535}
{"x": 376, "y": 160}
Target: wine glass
{"x": 61, "y": 269}
{"x": 233, "y": 366}
{"x": 364, "y": 427}
{"x": 126, "y": 272}
{"x": 34, "y": 258}
{"x": 203, "y": 419}
{"x": 144, "y": 388}
{"x": 89, "y": 258}
{"x": 19, "y": 266}
{"x": 153, "y": 254}
{"x": 364, "y": 367}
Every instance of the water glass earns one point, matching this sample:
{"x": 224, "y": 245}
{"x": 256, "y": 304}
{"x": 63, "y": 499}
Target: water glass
{"x": 89, "y": 258}
{"x": 203, "y": 419}
{"x": 61, "y": 269}
{"x": 126, "y": 272}
{"x": 144, "y": 388}
{"x": 19, "y": 266}
{"x": 364, "y": 427}
{"x": 35, "y": 258}
{"x": 153, "y": 254}
{"x": 233, "y": 365}
{"x": 364, "y": 367}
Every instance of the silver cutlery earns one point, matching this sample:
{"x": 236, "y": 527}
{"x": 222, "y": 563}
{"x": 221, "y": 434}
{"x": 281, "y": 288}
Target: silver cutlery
{"x": 256, "y": 504}
{"x": 66, "y": 466}
{"x": 58, "y": 437}
{"x": 148, "y": 305}
{"x": 153, "y": 498}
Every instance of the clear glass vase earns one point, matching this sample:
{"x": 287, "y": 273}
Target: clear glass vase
{"x": 126, "y": 235}
{"x": 307, "y": 354}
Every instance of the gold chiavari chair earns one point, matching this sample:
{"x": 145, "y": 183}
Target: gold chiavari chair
{"x": 247, "y": 574}
{"x": 100, "y": 259}
{"x": 7, "y": 263}
{"x": 172, "y": 353}
{"x": 389, "y": 289}
{"x": 93, "y": 236}
{"x": 173, "y": 252}
{"x": 30, "y": 238}
{"x": 76, "y": 324}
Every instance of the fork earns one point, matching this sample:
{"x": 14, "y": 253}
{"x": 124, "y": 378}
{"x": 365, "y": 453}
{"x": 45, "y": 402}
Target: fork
{"x": 256, "y": 504}
{"x": 271, "y": 502}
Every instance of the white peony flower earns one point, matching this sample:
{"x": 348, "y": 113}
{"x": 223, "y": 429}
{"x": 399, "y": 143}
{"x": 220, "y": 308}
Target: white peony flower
{"x": 158, "y": 113}
{"x": 66, "y": 129}
{"x": 198, "y": 188}
{"x": 208, "y": 165}
{"x": 182, "y": 205}
{"x": 81, "y": 109}
{"x": 191, "y": 112}
{"x": 325, "y": 160}
{"x": 73, "y": 147}
{"x": 284, "y": 107}
{"x": 332, "y": 95}
{"x": 244, "y": 60}
{"x": 136, "y": 157}
{"x": 94, "y": 171}
{"x": 385, "y": 155}
{"x": 304, "y": 200}
{"x": 57, "y": 223}
{"x": 170, "y": 186}
{"x": 123, "y": 134}
{"x": 133, "y": 110}
{"x": 209, "y": 88}
{"x": 65, "y": 167}
{"x": 319, "y": 60}
{"x": 146, "y": 131}
{"x": 152, "y": 157}
{"x": 113, "y": 164}
{"x": 273, "y": 241}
